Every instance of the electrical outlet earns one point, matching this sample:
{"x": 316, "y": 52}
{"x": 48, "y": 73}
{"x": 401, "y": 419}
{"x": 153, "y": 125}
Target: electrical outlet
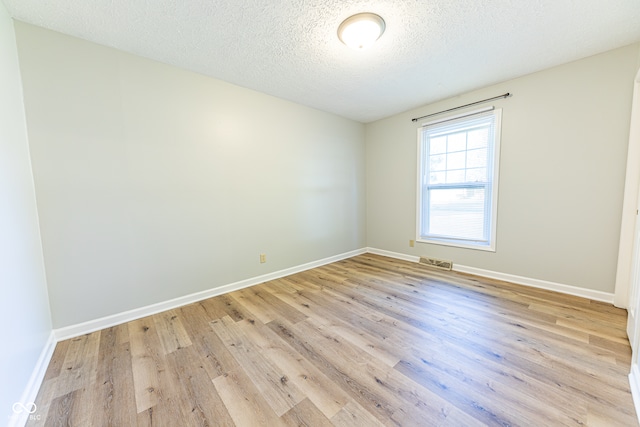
{"x": 263, "y": 258}
{"x": 412, "y": 243}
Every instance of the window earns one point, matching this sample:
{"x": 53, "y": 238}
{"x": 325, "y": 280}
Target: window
{"x": 458, "y": 180}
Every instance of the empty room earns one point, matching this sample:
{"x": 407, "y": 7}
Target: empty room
{"x": 319, "y": 213}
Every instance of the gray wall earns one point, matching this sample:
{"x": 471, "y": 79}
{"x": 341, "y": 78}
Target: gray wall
{"x": 563, "y": 157}
{"x": 154, "y": 182}
{"x": 25, "y": 320}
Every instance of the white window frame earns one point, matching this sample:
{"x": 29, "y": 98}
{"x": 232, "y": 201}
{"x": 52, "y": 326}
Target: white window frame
{"x": 491, "y": 202}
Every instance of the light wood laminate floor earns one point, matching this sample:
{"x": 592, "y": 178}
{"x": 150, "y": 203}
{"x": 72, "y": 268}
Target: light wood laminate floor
{"x": 367, "y": 341}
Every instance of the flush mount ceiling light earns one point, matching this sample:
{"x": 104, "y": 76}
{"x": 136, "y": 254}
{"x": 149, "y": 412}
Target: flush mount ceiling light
{"x": 361, "y": 31}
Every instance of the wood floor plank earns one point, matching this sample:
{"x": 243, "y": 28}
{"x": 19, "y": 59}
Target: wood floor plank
{"x": 354, "y": 415}
{"x": 365, "y": 341}
{"x": 360, "y": 393}
{"x": 113, "y": 387}
{"x": 411, "y": 404}
{"x": 621, "y": 351}
{"x": 79, "y": 366}
{"x": 280, "y": 393}
{"x": 145, "y": 361}
{"x": 319, "y": 389}
{"x": 171, "y": 331}
{"x": 246, "y": 405}
{"x": 49, "y": 390}
{"x": 476, "y": 393}
{"x": 62, "y": 408}
{"x": 196, "y": 390}
{"x": 265, "y": 307}
{"x": 57, "y": 360}
{"x": 305, "y": 414}
{"x": 215, "y": 357}
{"x": 521, "y": 338}
{"x": 369, "y": 381}
{"x": 321, "y": 313}
{"x": 156, "y": 387}
{"x": 229, "y": 306}
{"x": 612, "y": 334}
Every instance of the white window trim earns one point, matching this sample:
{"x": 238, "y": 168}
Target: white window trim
{"x": 491, "y": 247}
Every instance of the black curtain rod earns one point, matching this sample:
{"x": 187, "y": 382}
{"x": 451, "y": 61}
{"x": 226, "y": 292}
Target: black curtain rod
{"x": 505, "y": 95}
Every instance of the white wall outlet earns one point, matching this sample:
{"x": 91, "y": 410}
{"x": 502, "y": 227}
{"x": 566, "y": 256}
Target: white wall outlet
{"x": 412, "y": 243}
{"x": 263, "y": 258}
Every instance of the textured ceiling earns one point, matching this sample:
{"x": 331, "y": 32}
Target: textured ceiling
{"x": 430, "y": 49}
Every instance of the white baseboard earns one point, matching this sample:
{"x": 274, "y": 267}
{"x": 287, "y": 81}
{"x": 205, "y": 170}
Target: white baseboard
{"x": 137, "y": 313}
{"x": 33, "y": 386}
{"x": 634, "y": 383}
{"x": 520, "y": 280}
{"x": 396, "y": 255}
{"x": 537, "y": 283}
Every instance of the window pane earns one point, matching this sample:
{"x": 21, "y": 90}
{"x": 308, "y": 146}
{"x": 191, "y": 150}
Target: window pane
{"x": 476, "y": 175}
{"x": 438, "y": 163}
{"x": 457, "y": 142}
{"x": 456, "y": 160}
{"x": 457, "y": 213}
{"x": 455, "y": 177}
{"x": 478, "y": 138}
{"x": 437, "y": 178}
{"x": 477, "y": 158}
{"x": 438, "y": 145}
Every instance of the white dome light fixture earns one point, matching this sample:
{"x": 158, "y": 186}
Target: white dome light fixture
{"x": 361, "y": 30}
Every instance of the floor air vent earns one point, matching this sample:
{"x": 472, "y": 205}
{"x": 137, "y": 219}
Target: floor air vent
{"x": 437, "y": 263}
